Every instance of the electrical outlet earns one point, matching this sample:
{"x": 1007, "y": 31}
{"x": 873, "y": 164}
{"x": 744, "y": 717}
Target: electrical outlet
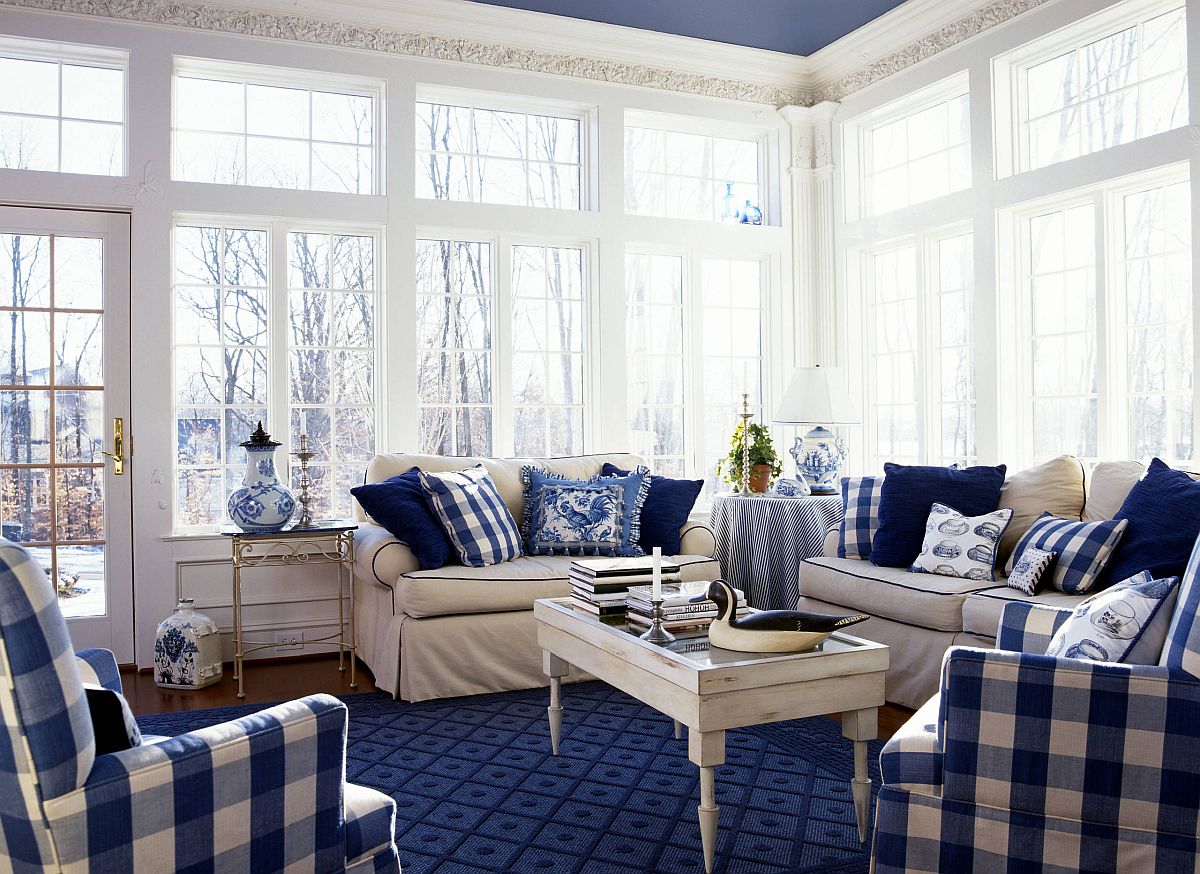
{"x": 289, "y": 640}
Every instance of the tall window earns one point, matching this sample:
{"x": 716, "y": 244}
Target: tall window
{"x": 1123, "y": 76}
{"x": 482, "y": 155}
{"x": 679, "y": 174}
{"x": 62, "y": 108}
{"x": 244, "y": 125}
{"x": 920, "y": 350}
{"x": 228, "y": 304}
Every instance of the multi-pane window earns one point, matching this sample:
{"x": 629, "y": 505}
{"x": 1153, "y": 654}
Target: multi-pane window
{"x": 1060, "y": 316}
{"x": 331, "y": 360}
{"x": 654, "y": 349}
{"x": 228, "y": 306}
{"x": 221, "y": 382}
{"x": 239, "y": 126}
{"x": 455, "y": 347}
{"x": 920, "y": 353}
{"x": 919, "y": 156}
{"x": 676, "y": 174}
{"x": 1155, "y": 272}
{"x": 547, "y": 343}
{"x": 732, "y": 350}
{"x": 1129, "y": 83}
{"x": 61, "y": 111}
{"x": 481, "y": 155}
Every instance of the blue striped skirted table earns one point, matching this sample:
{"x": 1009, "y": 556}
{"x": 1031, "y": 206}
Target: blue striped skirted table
{"x": 762, "y": 540}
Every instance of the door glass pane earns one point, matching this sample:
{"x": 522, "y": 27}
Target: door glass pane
{"x": 51, "y": 470}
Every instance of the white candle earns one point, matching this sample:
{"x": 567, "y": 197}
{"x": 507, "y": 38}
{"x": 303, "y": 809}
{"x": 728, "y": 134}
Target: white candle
{"x": 303, "y": 422}
{"x": 657, "y": 574}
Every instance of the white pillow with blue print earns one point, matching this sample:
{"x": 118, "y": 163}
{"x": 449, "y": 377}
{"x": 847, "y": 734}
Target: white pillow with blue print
{"x": 597, "y": 516}
{"x": 961, "y": 546}
{"x": 476, "y": 519}
{"x": 1127, "y": 622}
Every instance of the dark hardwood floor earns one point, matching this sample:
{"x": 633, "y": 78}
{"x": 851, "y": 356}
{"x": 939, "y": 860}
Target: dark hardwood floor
{"x": 274, "y": 680}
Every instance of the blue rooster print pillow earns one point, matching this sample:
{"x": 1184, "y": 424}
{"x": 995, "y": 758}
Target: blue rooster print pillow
{"x": 598, "y": 516}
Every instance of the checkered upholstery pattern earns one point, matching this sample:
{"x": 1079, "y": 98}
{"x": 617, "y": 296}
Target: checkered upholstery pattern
{"x": 99, "y": 667}
{"x": 1052, "y": 765}
{"x": 912, "y": 758}
{"x": 1083, "y": 549}
{"x": 1026, "y": 627}
{"x": 860, "y": 517}
{"x": 474, "y": 515}
{"x": 261, "y": 793}
{"x": 1182, "y": 649}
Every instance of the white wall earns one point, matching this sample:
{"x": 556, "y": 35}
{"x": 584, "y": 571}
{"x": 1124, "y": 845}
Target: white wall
{"x": 165, "y": 566}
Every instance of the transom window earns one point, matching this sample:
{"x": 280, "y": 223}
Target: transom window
{"x": 488, "y": 155}
{"x": 244, "y": 125}
{"x": 62, "y": 108}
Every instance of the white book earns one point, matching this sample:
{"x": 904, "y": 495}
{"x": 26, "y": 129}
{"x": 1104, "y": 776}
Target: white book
{"x": 678, "y": 594}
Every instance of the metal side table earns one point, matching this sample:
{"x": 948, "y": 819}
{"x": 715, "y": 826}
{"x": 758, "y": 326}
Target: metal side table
{"x": 325, "y": 541}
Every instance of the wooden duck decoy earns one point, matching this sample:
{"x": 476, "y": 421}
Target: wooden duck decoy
{"x": 768, "y": 630}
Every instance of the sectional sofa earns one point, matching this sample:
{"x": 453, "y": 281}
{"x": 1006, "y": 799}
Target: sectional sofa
{"x": 920, "y": 616}
{"x": 461, "y": 630}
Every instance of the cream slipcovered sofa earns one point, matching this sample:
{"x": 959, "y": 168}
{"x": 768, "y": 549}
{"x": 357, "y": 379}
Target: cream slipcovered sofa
{"x": 920, "y": 616}
{"x": 461, "y": 630}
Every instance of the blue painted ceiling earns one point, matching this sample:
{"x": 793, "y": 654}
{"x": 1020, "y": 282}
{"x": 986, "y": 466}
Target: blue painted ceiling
{"x": 798, "y": 27}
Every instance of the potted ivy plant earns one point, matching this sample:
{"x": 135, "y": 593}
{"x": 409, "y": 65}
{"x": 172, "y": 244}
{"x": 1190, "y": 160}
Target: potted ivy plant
{"x": 765, "y": 464}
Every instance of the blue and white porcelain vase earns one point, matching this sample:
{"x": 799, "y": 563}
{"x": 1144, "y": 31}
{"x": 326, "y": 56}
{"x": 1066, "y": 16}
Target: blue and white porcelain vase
{"x": 263, "y": 504}
{"x": 819, "y": 457}
{"x": 187, "y": 650}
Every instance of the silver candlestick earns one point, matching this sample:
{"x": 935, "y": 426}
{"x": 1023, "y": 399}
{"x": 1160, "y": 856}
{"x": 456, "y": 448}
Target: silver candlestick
{"x": 656, "y": 633}
{"x": 746, "y": 417}
{"x": 305, "y": 497}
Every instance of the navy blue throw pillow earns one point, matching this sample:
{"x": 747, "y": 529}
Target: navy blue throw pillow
{"x": 665, "y": 511}
{"x": 1163, "y": 515}
{"x": 908, "y": 494}
{"x": 399, "y": 505}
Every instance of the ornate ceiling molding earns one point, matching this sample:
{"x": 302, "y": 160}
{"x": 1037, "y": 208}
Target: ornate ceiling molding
{"x": 305, "y": 29}
{"x": 946, "y": 37}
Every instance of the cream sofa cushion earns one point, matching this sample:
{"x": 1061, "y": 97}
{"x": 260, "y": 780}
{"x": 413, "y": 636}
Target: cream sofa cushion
{"x": 512, "y": 585}
{"x": 505, "y": 472}
{"x": 981, "y": 610}
{"x": 1055, "y": 486}
{"x": 1108, "y": 486}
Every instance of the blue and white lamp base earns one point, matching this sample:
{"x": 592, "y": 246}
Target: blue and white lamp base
{"x": 819, "y": 456}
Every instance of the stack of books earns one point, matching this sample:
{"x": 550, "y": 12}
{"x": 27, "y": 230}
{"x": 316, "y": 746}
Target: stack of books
{"x": 679, "y": 613}
{"x": 598, "y": 585}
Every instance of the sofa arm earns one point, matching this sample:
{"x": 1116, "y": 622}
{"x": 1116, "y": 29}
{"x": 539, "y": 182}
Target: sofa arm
{"x": 696, "y": 538}
{"x": 832, "y": 537}
{"x": 99, "y": 666}
{"x": 224, "y": 790}
{"x": 1057, "y": 737}
{"x": 1028, "y": 628}
{"x": 380, "y": 557}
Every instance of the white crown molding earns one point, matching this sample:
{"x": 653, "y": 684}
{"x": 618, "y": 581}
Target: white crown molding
{"x": 457, "y": 30}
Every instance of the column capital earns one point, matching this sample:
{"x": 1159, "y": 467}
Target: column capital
{"x": 812, "y": 134}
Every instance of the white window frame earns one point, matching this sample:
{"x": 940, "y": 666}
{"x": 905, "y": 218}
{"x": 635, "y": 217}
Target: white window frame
{"x": 279, "y": 403}
{"x": 856, "y": 140}
{"x": 503, "y": 405}
{"x": 20, "y": 48}
{"x": 1013, "y": 268}
{"x": 1009, "y": 99}
{"x": 284, "y": 77}
{"x": 765, "y": 136}
{"x": 585, "y": 114}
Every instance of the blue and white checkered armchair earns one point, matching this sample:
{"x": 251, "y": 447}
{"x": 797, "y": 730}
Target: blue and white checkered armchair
{"x": 263, "y": 793}
{"x": 1026, "y": 762}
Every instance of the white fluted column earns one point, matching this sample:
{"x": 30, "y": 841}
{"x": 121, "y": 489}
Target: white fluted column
{"x": 815, "y": 268}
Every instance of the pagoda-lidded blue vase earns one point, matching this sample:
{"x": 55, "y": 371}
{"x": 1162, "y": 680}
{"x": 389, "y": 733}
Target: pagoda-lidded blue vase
{"x": 263, "y": 504}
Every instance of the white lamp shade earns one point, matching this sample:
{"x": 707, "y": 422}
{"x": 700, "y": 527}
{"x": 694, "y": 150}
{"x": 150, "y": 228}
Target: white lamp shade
{"x": 817, "y": 396}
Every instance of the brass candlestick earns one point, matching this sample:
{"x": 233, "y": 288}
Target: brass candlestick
{"x": 656, "y": 633}
{"x": 746, "y": 417}
{"x": 305, "y": 497}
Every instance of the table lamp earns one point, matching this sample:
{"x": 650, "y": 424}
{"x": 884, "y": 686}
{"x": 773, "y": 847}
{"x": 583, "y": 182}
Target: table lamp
{"x": 818, "y": 396}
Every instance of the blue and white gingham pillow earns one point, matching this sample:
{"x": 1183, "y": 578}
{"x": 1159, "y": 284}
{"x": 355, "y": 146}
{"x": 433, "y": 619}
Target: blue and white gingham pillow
{"x": 1083, "y": 549}
{"x": 475, "y": 517}
{"x": 1182, "y": 649}
{"x": 860, "y": 516}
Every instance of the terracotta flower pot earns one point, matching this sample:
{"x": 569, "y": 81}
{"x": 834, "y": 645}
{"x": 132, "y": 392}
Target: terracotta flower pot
{"x": 760, "y": 478}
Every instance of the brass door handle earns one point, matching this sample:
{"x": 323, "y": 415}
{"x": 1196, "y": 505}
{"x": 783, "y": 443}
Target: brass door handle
{"x": 118, "y": 453}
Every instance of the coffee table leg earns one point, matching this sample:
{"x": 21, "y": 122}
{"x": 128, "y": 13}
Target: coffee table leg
{"x": 861, "y": 726}
{"x": 555, "y": 668}
{"x": 707, "y": 749}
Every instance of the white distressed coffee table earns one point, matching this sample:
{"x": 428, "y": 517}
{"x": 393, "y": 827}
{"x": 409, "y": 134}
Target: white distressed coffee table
{"x": 711, "y": 690}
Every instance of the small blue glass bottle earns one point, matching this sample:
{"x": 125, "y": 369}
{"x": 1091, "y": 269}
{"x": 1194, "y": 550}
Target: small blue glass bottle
{"x": 729, "y": 212}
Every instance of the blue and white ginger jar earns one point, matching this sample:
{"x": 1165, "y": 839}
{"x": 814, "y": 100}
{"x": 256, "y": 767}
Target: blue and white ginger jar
{"x": 263, "y": 504}
{"x": 187, "y": 650}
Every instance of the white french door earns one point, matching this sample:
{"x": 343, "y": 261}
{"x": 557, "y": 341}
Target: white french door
{"x": 64, "y": 392}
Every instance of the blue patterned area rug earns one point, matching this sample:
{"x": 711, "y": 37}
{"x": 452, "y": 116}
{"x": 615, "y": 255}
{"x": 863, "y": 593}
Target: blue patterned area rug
{"x": 479, "y": 792}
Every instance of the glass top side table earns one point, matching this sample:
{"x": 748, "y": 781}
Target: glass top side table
{"x": 324, "y": 541}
